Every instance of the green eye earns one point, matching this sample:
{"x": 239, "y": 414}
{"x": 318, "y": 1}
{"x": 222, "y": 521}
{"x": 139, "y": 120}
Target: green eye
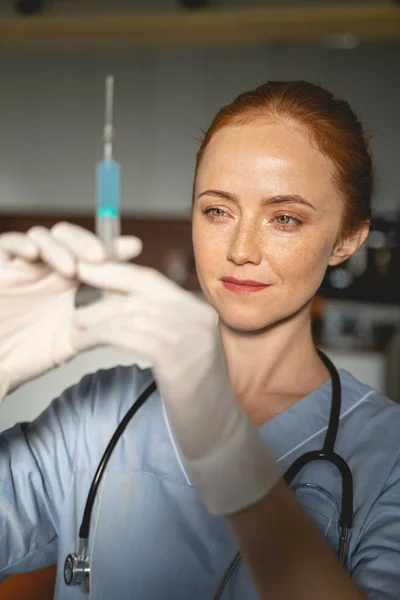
{"x": 284, "y": 217}
{"x": 217, "y": 213}
{"x": 285, "y": 225}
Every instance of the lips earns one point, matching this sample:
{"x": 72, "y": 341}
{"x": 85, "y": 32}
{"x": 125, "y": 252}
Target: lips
{"x": 247, "y": 282}
{"x": 243, "y": 286}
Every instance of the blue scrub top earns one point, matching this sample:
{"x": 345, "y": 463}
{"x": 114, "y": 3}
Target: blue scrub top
{"x": 151, "y": 537}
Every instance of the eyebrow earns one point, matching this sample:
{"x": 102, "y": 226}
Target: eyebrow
{"x": 280, "y": 199}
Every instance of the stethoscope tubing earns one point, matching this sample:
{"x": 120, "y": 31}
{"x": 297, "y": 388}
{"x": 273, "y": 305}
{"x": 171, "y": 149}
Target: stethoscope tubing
{"x": 85, "y": 526}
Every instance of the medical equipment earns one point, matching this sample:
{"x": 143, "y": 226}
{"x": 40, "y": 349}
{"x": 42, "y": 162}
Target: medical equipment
{"x": 108, "y": 180}
{"x": 107, "y": 213}
{"x": 76, "y": 566}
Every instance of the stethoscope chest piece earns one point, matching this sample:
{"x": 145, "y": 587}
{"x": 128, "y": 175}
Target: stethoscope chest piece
{"x": 76, "y": 566}
{"x": 77, "y": 569}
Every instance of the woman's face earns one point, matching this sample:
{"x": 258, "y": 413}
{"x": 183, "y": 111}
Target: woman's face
{"x": 266, "y": 209}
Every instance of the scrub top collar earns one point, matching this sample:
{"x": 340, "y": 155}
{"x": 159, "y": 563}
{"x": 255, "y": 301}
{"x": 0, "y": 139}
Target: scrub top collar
{"x": 289, "y": 432}
{"x": 308, "y": 418}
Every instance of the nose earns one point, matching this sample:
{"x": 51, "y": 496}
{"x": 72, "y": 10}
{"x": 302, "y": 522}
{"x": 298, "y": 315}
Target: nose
{"x": 244, "y": 244}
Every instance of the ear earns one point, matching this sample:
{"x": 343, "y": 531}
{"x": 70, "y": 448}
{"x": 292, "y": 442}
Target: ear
{"x": 347, "y": 246}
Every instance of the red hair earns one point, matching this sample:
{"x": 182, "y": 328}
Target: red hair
{"x": 333, "y": 126}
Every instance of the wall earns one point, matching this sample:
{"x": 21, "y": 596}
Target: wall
{"x": 51, "y": 117}
{"x": 30, "y": 399}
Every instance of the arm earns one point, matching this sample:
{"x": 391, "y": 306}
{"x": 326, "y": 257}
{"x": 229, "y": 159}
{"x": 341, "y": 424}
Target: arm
{"x": 289, "y": 559}
{"x": 286, "y": 555}
{"x": 36, "y": 462}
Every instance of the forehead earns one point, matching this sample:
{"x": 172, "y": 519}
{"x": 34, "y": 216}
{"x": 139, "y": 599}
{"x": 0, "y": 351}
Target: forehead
{"x": 278, "y": 157}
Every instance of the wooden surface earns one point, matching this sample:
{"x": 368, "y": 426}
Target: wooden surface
{"x": 36, "y": 585}
{"x": 371, "y": 21}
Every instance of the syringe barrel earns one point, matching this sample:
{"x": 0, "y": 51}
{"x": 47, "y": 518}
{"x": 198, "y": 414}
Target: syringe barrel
{"x": 107, "y": 202}
{"x": 108, "y": 229}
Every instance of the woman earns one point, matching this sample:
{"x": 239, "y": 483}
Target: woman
{"x": 281, "y": 191}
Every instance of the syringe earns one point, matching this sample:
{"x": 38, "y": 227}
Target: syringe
{"x": 108, "y": 225}
{"x": 107, "y": 218}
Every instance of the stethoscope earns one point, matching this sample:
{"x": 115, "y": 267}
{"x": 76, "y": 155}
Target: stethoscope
{"x": 77, "y": 567}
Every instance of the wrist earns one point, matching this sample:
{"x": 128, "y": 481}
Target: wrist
{"x": 236, "y": 475}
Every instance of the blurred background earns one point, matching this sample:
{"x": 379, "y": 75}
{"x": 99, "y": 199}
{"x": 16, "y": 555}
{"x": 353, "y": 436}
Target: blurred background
{"x": 175, "y": 62}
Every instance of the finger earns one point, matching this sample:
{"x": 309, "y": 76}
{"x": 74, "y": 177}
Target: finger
{"x": 144, "y": 340}
{"x": 52, "y": 252}
{"x": 81, "y": 243}
{"x": 18, "y": 244}
{"x": 128, "y": 278}
{"x": 130, "y": 308}
{"x": 127, "y": 247}
{"x": 86, "y": 246}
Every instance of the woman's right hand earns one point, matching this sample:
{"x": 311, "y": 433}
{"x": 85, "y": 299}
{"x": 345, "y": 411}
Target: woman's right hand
{"x": 38, "y": 285}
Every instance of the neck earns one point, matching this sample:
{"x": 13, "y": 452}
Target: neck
{"x": 272, "y": 369}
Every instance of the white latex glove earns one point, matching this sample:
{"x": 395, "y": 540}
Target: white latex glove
{"x": 37, "y": 295}
{"x": 177, "y": 333}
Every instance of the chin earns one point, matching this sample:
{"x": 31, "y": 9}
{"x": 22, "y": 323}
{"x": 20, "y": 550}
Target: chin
{"x": 246, "y": 321}
{"x": 257, "y": 320}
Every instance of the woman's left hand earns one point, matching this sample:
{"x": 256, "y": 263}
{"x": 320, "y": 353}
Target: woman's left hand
{"x": 144, "y": 312}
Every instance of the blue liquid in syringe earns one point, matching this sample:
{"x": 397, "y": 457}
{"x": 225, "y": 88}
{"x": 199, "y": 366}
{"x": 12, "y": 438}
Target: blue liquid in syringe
{"x": 108, "y": 188}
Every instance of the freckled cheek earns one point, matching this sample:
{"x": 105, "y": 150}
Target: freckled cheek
{"x": 304, "y": 261}
{"x": 208, "y": 251}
